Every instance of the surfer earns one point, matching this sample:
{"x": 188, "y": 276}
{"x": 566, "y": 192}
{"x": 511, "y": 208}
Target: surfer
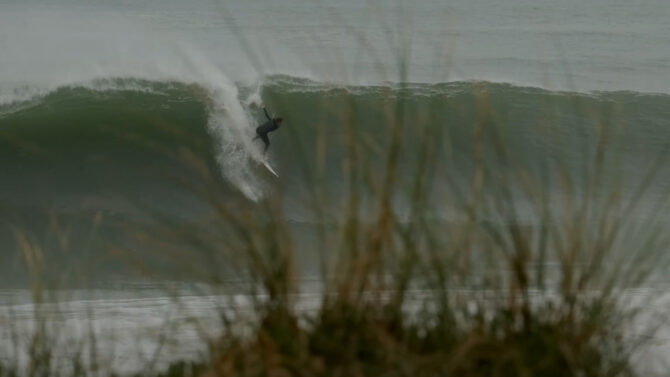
{"x": 267, "y": 127}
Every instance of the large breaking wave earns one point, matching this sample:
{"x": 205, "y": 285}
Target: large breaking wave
{"x": 73, "y": 137}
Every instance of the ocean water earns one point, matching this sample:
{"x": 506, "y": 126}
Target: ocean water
{"x": 572, "y": 45}
{"x": 99, "y": 100}
{"x": 144, "y": 46}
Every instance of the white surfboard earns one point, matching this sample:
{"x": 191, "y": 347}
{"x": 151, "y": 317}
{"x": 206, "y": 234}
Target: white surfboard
{"x": 265, "y": 163}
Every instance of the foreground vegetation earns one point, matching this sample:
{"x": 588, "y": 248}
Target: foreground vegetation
{"x": 500, "y": 291}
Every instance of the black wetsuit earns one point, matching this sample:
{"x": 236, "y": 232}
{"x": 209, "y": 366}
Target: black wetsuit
{"x": 263, "y": 130}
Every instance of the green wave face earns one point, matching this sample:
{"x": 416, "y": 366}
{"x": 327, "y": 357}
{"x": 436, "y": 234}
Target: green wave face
{"x": 81, "y": 151}
{"x": 532, "y": 124}
{"x": 78, "y": 141}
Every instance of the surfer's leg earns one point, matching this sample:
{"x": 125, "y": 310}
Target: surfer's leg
{"x": 266, "y": 140}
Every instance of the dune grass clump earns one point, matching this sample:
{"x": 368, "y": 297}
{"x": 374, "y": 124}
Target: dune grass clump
{"x": 526, "y": 277}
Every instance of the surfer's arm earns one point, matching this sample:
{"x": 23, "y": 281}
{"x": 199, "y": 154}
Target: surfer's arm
{"x": 266, "y": 113}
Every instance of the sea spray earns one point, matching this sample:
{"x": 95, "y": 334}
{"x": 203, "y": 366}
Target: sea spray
{"x": 231, "y": 127}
